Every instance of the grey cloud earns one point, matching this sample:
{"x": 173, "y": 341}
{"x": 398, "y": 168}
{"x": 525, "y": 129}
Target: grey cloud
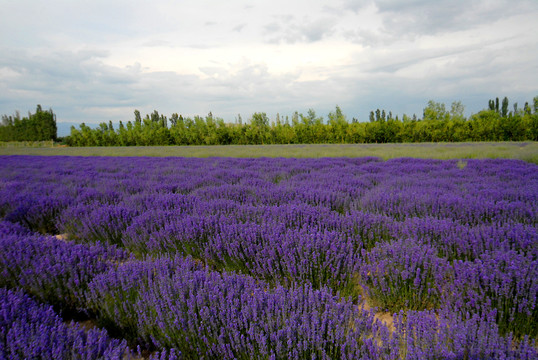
{"x": 294, "y": 31}
{"x": 416, "y": 57}
{"x": 239, "y": 27}
{"x": 467, "y": 77}
{"x": 272, "y": 27}
{"x": 406, "y": 79}
{"x": 356, "y": 5}
{"x": 408, "y": 19}
{"x": 426, "y": 17}
{"x": 315, "y": 31}
{"x": 58, "y": 68}
{"x": 367, "y": 37}
{"x": 65, "y": 80}
{"x": 81, "y": 88}
{"x": 398, "y": 6}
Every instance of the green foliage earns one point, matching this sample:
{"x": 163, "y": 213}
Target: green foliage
{"x": 40, "y": 126}
{"x": 438, "y": 124}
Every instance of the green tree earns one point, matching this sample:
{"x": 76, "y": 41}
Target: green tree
{"x": 36, "y": 127}
{"x": 486, "y": 126}
{"x": 457, "y": 109}
{"x": 435, "y": 111}
{"x": 258, "y": 131}
{"x": 338, "y": 124}
{"x": 504, "y": 111}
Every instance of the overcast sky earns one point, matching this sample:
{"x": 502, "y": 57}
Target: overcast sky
{"x": 95, "y": 60}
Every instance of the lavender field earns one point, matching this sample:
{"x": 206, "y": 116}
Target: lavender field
{"x": 268, "y": 258}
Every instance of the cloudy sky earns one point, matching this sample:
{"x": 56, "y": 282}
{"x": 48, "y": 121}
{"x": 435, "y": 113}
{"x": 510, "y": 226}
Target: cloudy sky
{"x": 93, "y": 61}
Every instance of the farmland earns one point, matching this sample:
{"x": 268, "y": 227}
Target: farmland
{"x": 268, "y": 258}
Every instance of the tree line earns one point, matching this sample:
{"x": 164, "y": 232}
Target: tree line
{"x": 498, "y": 122}
{"x": 40, "y": 126}
{"x": 438, "y": 124}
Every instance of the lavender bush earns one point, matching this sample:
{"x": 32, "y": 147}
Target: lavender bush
{"x": 404, "y": 275}
{"x": 29, "y": 330}
{"x": 96, "y": 222}
{"x": 52, "y": 270}
{"x": 444, "y": 335}
{"x": 36, "y": 212}
{"x": 504, "y": 283}
{"x": 284, "y": 256}
{"x": 455, "y": 241}
{"x": 175, "y": 303}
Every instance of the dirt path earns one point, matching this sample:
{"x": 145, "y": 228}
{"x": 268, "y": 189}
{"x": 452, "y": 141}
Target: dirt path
{"x": 384, "y": 317}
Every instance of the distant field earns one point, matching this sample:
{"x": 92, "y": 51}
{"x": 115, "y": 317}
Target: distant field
{"x": 527, "y": 151}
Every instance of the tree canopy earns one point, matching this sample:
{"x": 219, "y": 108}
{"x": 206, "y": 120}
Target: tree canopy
{"x": 36, "y": 127}
{"x": 439, "y": 123}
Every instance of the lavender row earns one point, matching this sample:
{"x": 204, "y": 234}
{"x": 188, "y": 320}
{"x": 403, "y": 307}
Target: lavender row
{"x": 208, "y": 195}
{"x": 502, "y": 283}
{"x": 399, "y": 188}
{"x": 179, "y": 304}
{"x": 300, "y": 244}
{"x": 29, "y": 330}
{"x": 448, "y": 335}
{"x": 268, "y": 251}
{"x": 404, "y": 274}
{"x": 109, "y": 223}
{"x": 396, "y": 275}
{"x": 176, "y": 303}
{"x": 182, "y": 308}
{"x": 54, "y": 271}
{"x": 485, "y": 194}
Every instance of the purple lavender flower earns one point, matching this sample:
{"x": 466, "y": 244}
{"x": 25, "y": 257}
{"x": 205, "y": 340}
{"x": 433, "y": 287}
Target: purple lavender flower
{"x": 404, "y": 274}
{"x": 273, "y": 242}
{"x": 29, "y": 330}
{"x": 52, "y": 270}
